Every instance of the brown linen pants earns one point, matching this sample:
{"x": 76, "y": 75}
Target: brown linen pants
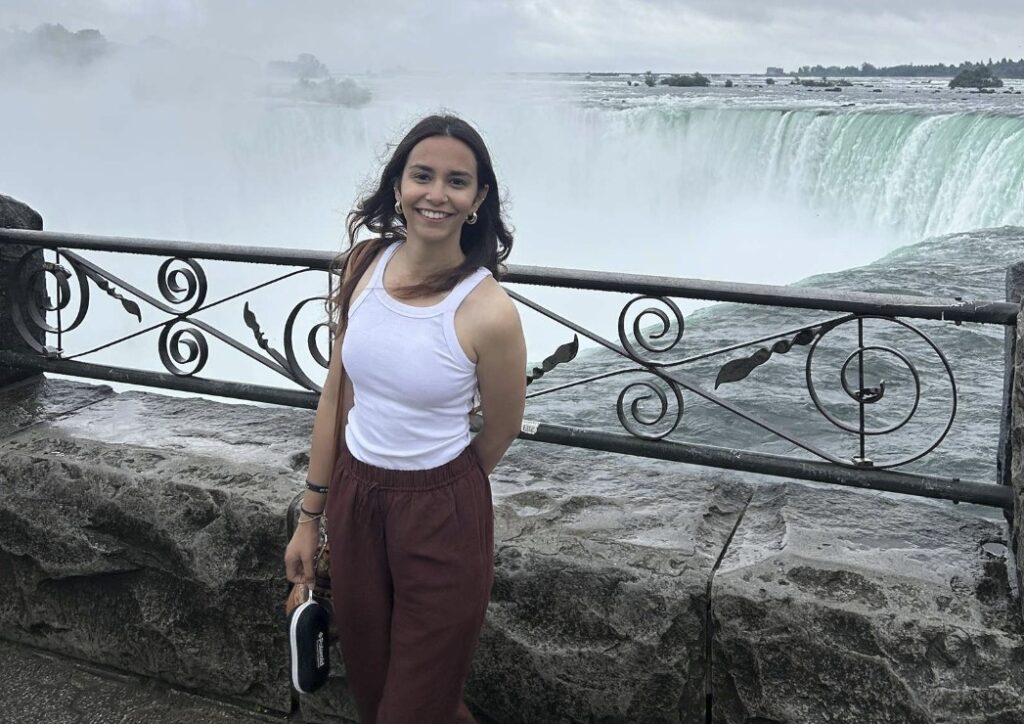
{"x": 412, "y": 563}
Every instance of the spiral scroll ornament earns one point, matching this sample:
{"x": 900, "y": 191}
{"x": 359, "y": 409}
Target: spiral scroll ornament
{"x": 632, "y": 408}
{"x": 180, "y": 286}
{"x": 664, "y": 332}
{"x": 186, "y": 347}
{"x": 30, "y": 304}
{"x": 312, "y": 345}
{"x": 864, "y": 393}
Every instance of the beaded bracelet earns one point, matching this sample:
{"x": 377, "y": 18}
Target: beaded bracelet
{"x": 321, "y": 489}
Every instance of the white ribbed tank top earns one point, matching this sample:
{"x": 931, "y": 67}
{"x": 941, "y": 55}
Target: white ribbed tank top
{"x": 413, "y": 384}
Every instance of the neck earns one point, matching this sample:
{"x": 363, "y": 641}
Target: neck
{"x": 423, "y": 260}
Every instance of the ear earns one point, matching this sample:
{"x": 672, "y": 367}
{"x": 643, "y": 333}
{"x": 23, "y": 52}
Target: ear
{"x": 481, "y": 195}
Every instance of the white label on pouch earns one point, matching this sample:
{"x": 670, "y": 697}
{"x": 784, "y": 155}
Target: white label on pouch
{"x": 529, "y": 427}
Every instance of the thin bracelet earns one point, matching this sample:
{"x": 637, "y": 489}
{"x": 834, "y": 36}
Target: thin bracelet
{"x": 309, "y": 520}
{"x": 321, "y": 489}
{"x": 311, "y": 515}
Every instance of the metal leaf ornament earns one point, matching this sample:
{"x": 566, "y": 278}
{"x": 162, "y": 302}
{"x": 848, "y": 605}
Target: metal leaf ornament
{"x": 261, "y": 340}
{"x": 738, "y": 369}
{"x": 564, "y": 353}
{"x": 129, "y": 306}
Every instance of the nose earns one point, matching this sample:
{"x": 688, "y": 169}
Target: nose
{"x": 436, "y": 193}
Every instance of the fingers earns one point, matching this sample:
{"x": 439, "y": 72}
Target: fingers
{"x": 298, "y": 567}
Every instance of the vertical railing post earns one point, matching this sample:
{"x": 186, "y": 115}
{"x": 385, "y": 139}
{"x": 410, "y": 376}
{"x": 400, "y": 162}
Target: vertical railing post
{"x": 1011, "y": 455}
{"x": 16, "y": 215}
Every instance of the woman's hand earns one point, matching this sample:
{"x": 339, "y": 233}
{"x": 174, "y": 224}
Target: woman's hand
{"x": 298, "y": 556}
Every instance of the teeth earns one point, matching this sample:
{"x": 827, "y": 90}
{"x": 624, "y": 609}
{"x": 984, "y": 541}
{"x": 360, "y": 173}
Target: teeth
{"x": 433, "y": 214}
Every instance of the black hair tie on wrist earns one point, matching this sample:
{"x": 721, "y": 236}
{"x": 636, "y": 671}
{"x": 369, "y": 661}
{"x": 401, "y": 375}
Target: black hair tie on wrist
{"x": 308, "y": 513}
{"x": 316, "y": 488}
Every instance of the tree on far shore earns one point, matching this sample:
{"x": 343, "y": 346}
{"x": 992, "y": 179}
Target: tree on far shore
{"x": 978, "y": 76}
{"x": 685, "y": 81}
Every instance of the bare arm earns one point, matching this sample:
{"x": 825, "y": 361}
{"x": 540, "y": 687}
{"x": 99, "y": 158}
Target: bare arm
{"x": 323, "y": 446}
{"x": 501, "y": 375}
{"x": 298, "y": 557}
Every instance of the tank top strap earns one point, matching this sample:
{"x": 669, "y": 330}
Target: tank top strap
{"x": 461, "y": 290}
{"x": 377, "y": 280}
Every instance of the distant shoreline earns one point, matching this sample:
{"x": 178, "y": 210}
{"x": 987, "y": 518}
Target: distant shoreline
{"x": 1004, "y": 68}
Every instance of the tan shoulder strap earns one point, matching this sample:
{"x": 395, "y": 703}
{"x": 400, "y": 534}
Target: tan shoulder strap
{"x": 339, "y": 423}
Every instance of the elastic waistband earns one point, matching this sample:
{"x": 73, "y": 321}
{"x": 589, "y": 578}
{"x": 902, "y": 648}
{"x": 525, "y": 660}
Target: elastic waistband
{"x": 464, "y": 463}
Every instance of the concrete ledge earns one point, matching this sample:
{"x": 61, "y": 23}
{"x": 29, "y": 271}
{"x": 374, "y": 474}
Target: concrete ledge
{"x": 832, "y": 605}
{"x": 145, "y": 533}
{"x": 39, "y": 686}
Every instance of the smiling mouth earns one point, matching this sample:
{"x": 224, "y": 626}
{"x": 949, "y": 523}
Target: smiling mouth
{"x": 433, "y": 215}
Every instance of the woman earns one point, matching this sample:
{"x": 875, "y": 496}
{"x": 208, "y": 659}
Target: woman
{"x": 425, "y": 325}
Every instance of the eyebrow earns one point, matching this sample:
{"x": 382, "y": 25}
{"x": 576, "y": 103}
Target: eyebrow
{"x": 423, "y": 167}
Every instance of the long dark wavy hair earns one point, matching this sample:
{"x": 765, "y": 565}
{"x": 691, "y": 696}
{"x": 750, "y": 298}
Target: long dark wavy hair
{"x": 486, "y": 243}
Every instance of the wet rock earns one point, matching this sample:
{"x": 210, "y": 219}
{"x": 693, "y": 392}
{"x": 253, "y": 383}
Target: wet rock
{"x": 844, "y": 606}
{"x": 146, "y": 533}
{"x": 599, "y": 606}
{"x": 1017, "y": 454}
{"x": 16, "y": 215}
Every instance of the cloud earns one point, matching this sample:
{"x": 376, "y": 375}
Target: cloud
{"x": 711, "y": 35}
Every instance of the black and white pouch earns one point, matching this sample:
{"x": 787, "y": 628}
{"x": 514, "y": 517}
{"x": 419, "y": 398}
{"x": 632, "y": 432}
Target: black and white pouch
{"x": 309, "y": 639}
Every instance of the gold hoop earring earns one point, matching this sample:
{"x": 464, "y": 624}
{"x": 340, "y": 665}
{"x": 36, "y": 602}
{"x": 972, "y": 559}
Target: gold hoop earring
{"x": 398, "y": 208}
{"x": 472, "y": 218}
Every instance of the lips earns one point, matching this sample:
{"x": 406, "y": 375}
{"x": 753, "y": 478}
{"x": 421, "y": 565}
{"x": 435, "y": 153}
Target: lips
{"x": 433, "y": 215}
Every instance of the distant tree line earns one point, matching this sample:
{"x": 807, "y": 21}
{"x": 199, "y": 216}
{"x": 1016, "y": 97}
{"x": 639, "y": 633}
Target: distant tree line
{"x": 1004, "y": 68}
{"x": 54, "y": 42}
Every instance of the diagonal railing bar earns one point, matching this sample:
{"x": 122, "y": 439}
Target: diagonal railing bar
{"x": 675, "y": 378}
{"x": 203, "y": 308}
{"x": 687, "y": 360}
{"x": 185, "y": 317}
{"x": 643, "y": 345}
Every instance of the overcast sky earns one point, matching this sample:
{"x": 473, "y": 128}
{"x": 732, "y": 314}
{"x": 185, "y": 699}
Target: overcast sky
{"x": 551, "y": 35}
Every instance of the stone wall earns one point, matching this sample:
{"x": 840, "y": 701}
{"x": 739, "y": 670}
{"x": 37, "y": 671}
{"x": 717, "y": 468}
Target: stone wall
{"x": 1017, "y": 456}
{"x": 16, "y": 215}
{"x": 146, "y": 532}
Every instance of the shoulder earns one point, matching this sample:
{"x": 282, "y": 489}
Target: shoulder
{"x": 490, "y": 312}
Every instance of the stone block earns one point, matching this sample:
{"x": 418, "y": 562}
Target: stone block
{"x": 16, "y": 215}
{"x": 146, "y": 533}
{"x": 599, "y": 606}
{"x": 859, "y": 608}
{"x": 1016, "y": 437}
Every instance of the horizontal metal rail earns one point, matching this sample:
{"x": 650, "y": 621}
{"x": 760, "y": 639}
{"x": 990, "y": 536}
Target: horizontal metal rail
{"x": 954, "y": 489}
{"x": 892, "y": 305}
{"x": 196, "y": 385}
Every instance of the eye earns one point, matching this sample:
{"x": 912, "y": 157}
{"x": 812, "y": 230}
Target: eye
{"x": 459, "y": 181}
{"x": 420, "y": 176}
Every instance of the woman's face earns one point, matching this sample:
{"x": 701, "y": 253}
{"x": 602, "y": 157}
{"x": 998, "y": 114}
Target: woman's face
{"x": 439, "y": 188}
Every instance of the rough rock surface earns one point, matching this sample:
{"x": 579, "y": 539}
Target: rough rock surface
{"x": 145, "y": 532}
{"x": 15, "y": 215}
{"x": 840, "y": 606}
{"x": 1017, "y": 456}
{"x": 599, "y": 606}
{"x": 40, "y": 686}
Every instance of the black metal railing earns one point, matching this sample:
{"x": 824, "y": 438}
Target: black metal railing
{"x": 650, "y": 327}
